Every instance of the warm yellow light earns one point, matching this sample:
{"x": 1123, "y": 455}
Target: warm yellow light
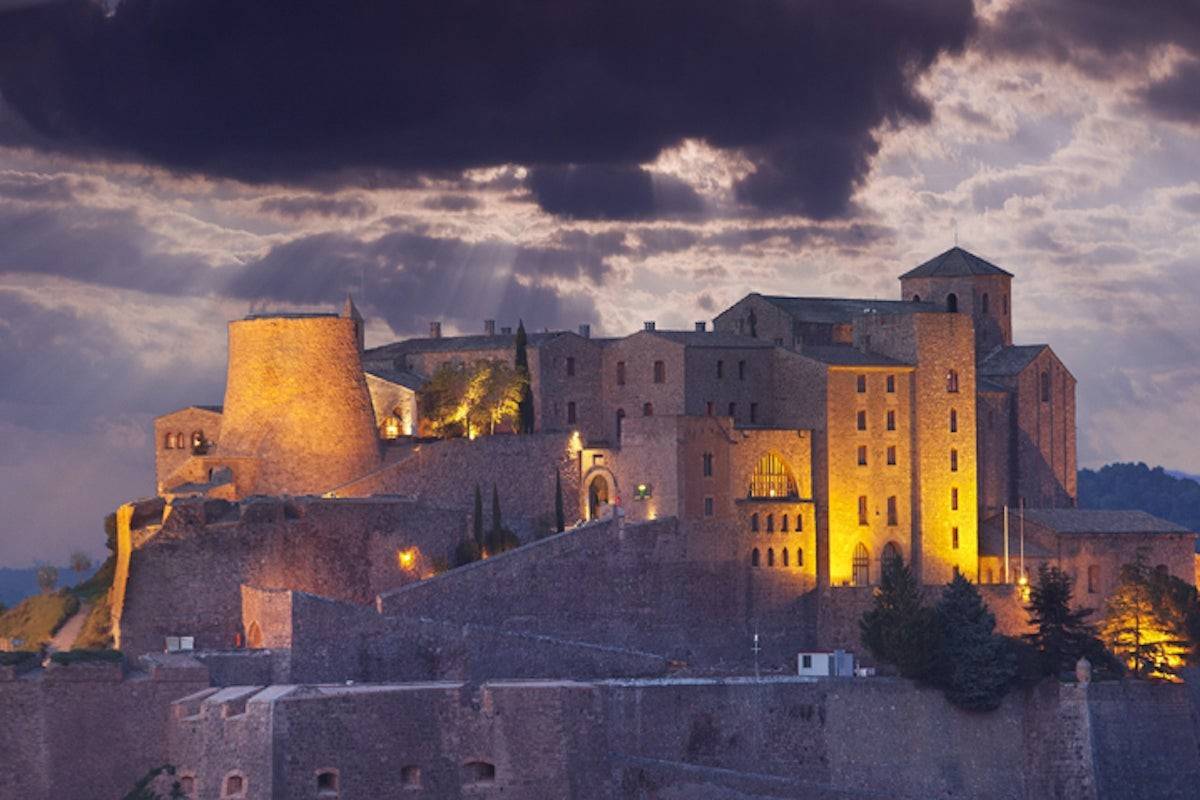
{"x": 391, "y": 428}
{"x": 406, "y": 559}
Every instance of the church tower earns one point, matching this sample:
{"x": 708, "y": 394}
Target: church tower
{"x": 963, "y": 282}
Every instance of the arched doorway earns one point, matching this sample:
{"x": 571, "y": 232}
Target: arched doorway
{"x": 891, "y": 555}
{"x": 254, "y": 637}
{"x": 597, "y": 496}
{"x": 861, "y": 576}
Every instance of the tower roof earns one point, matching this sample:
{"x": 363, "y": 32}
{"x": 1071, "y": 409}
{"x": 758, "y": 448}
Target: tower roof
{"x": 350, "y": 310}
{"x": 955, "y": 263}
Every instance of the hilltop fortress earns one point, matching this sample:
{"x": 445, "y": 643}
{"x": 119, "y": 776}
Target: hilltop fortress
{"x": 730, "y": 494}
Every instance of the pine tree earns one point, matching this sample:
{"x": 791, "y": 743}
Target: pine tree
{"x": 1061, "y": 635}
{"x": 477, "y": 518}
{"x": 560, "y": 522}
{"x": 900, "y": 630}
{"x": 521, "y": 361}
{"x": 975, "y": 666}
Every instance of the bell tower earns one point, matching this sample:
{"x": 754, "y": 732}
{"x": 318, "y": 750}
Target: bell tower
{"x": 962, "y": 282}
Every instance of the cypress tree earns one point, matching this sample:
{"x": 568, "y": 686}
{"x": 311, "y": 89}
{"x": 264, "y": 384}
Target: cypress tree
{"x": 560, "y": 522}
{"x": 497, "y": 523}
{"x": 477, "y": 519}
{"x": 899, "y": 629}
{"x": 521, "y": 361}
{"x": 1061, "y": 635}
{"x": 975, "y": 665}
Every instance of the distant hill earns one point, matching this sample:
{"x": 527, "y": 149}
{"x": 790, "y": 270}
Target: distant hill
{"x": 1137, "y": 486}
{"x": 17, "y": 584}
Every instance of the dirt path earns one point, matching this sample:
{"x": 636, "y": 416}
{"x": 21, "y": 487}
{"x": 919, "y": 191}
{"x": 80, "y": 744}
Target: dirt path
{"x": 70, "y": 630}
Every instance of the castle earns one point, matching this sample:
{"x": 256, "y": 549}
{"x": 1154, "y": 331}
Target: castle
{"x": 730, "y": 495}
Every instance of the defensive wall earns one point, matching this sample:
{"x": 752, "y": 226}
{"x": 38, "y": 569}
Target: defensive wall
{"x": 87, "y": 731}
{"x": 831, "y": 739}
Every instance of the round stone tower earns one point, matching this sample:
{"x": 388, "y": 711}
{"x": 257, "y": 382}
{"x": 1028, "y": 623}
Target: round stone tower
{"x": 296, "y": 404}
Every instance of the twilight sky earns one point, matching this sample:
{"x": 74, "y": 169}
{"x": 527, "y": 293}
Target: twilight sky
{"x": 166, "y": 165}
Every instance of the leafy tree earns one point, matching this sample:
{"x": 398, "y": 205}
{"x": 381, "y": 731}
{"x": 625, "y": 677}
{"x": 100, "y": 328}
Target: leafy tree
{"x": 560, "y": 522}
{"x": 1150, "y": 621}
{"x": 47, "y": 578}
{"x": 521, "y": 362}
{"x": 900, "y": 629}
{"x": 477, "y": 518}
{"x": 975, "y": 665}
{"x": 110, "y": 532}
{"x": 1061, "y": 635}
{"x": 80, "y": 561}
{"x": 470, "y": 401}
{"x": 441, "y": 400}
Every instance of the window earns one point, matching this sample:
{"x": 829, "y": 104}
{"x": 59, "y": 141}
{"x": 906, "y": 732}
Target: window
{"x": 571, "y": 412}
{"x": 754, "y": 522}
{"x": 784, "y": 526}
{"x": 660, "y": 372}
{"x": 861, "y": 384}
{"x": 187, "y": 785}
{"x": 770, "y": 556}
{"x": 648, "y": 409}
{"x": 570, "y": 366}
{"x": 754, "y": 412}
{"x": 742, "y": 370}
{"x": 891, "y": 511}
{"x": 754, "y": 557}
{"x": 891, "y": 384}
{"x": 620, "y": 373}
{"x": 169, "y": 442}
{"x": 861, "y": 575}
{"x": 620, "y": 421}
{"x": 234, "y": 786}
{"x": 953, "y": 460}
{"x": 953, "y": 421}
{"x": 954, "y": 499}
{"x": 1045, "y": 386}
{"x": 327, "y": 783}
{"x": 783, "y": 556}
{"x": 720, "y": 369}
{"x": 952, "y": 381}
{"x": 916, "y": 298}
{"x": 954, "y": 537}
{"x": 1004, "y": 302}
{"x": 891, "y": 420}
{"x": 410, "y": 777}
{"x": 772, "y": 479}
{"x": 708, "y": 408}
{"x": 708, "y": 506}
{"x": 479, "y": 772}
{"x": 983, "y": 303}
{"x": 391, "y": 427}
{"x": 733, "y": 409}
{"x": 862, "y": 510}
{"x": 862, "y": 455}
{"x": 862, "y": 420}
{"x": 891, "y": 456}
{"x": 1093, "y": 578}
{"x": 890, "y": 555}
{"x": 799, "y": 523}
{"x": 770, "y": 523}
{"x": 197, "y": 440}
{"x": 952, "y": 302}
{"x": 708, "y": 465}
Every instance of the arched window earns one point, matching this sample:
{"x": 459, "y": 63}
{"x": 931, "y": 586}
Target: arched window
{"x": 327, "y": 783}
{"x": 916, "y": 298}
{"x": 772, "y": 479}
{"x": 770, "y": 556}
{"x": 983, "y": 303}
{"x": 179, "y": 440}
{"x": 234, "y": 785}
{"x": 952, "y": 302}
{"x": 254, "y": 637}
{"x": 620, "y": 420}
{"x": 169, "y": 442}
{"x": 952, "y": 381}
{"x": 783, "y": 557}
{"x": 648, "y": 410}
{"x": 479, "y": 772}
{"x": 187, "y": 785}
{"x": 1045, "y": 386}
{"x": 953, "y": 421}
{"x": 861, "y": 576}
{"x": 770, "y": 523}
{"x": 890, "y": 555}
{"x": 754, "y": 522}
{"x": 799, "y": 522}
{"x": 197, "y": 440}
{"x": 784, "y": 526}
{"x": 754, "y": 557}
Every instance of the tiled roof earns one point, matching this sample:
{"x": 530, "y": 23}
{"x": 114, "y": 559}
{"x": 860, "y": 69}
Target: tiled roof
{"x": 954, "y": 263}
{"x": 1088, "y": 520}
{"x": 845, "y": 355}
{"x": 454, "y": 344}
{"x": 991, "y": 387}
{"x": 404, "y": 378}
{"x": 1010, "y": 360}
{"x": 710, "y": 339}
{"x": 843, "y": 309}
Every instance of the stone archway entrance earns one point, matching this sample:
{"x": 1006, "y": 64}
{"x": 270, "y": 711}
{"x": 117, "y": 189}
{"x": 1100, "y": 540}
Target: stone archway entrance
{"x": 597, "y": 496}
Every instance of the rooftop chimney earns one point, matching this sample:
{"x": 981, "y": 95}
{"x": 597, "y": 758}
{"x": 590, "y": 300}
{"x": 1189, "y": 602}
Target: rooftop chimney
{"x": 489, "y": 327}
{"x": 585, "y": 331}
{"x": 701, "y": 327}
{"x": 435, "y": 330}
{"x": 648, "y": 325}
{"x": 506, "y": 330}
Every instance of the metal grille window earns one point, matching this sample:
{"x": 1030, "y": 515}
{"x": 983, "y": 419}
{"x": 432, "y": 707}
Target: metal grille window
{"x": 861, "y": 576}
{"x": 771, "y": 478}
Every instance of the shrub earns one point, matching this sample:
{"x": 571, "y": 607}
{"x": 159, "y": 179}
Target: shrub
{"x": 68, "y": 657}
{"x": 17, "y": 658}
{"x": 465, "y": 553}
{"x": 501, "y": 541}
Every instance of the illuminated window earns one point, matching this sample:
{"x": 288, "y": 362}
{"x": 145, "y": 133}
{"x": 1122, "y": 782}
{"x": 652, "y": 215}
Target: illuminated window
{"x": 862, "y": 510}
{"x": 571, "y": 412}
{"x": 1093, "y": 582}
{"x": 648, "y": 409}
{"x": 784, "y": 526}
{"x": 861, "y": 565}
{"x": 891, "y": 420}
{"x": 861, "y": 420}
{"x": 620, "y": 373}
{"x": 179, "y": 440}
{"x": 391, "y": 427}
{"x": 953, "y": 460}
{"x": 861, "y": 382}
{"x": 772, "y": 479}
{"x": 169, "y": 442}
{"x": 660, "y": 372}
{"x": 742, "y": 370}
{"x": 770, "y": 523}
{"x": 953, "y": 421}
{"x": 891, "y": 511}
{"x": 783, "y": 556}
{"x": 952, "y": 381}
{"x": 754, "y": 557}
{"x": 643, "y": 491}
{"x": 891, "y": 384}
{"x": 770, "y": 556}
{"x": 954, "y": 537}
{"x": 708, "y": 465}
{"x": 720, "y": 369}
{"x": 891, "y": 456}
{"x": 862, "y": 455}
{"x": 708, "y": 506}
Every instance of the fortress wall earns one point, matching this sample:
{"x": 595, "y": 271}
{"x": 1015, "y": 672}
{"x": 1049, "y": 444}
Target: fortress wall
{"x": 218, "y": 731}
{"x": 187, "y": 579}
{"x": 444, "y": 475}
{"x": 85, "y": 731}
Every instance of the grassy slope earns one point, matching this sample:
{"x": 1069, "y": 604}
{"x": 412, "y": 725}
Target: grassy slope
{"x": 36, "y": 619}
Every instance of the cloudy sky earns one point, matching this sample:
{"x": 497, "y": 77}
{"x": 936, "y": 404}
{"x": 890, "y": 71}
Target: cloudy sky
{"x": 166, "y": 165}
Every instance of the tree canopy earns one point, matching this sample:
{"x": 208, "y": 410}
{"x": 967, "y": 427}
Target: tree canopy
{"x": 1151, "y": 621}
{"x": 1062, "y": 634}
{"x": 471, "y": 401}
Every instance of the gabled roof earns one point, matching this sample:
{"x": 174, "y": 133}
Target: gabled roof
{"x": 955, "y": 263}
{"x": 453, "y": 344}
{"x": 843, "y": 309}
{"x": 709, "y": 339}
{"x": 409, "y": 380}
{"x": 844, "y": 355}
{"x": 1088, "y": 520}
{"x": 1010, "y": 360}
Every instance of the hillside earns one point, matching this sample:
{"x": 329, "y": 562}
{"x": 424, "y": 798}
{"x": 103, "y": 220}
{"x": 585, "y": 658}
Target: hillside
{"x": 1137, "y": 486}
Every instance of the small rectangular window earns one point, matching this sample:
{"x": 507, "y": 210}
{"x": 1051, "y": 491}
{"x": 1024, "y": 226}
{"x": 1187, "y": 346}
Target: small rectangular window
{"x": 953, "y": 421}
{"x": 741, "y": 370}
{"x": 862, "y": 420}
{"x": 862, "y": 384}
{"x": 571, "y": 412}
{"x": 891, "y": 510}
{"x": 862, "y": 510}
{"x": 953, "y": 460}
{"x": 891, "y": 420}
{"x": 660, "y": 372}
{"x": 708, "y": 408}
{"x": 720, "y": 369}
{"x": 733, "y": 409}
{"x": 806, "y": 661}
{"x": 891, "y": 384}
{"x": 754, "y": 412}
{"x": 954, "y": 537}
{"x": 862, "y": 455}
{"x": 620, "y": 373}
{"x": 708, "y": 465}
{"x": 1093, "y": 578}
{"x": 708, "y": 506}
{"x": 570, "y": 366}
{"x": 891, "y": 456}
{"x": 954, "y": 499}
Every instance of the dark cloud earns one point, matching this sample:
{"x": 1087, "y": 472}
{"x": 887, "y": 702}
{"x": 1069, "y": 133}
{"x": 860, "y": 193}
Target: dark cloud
{"x": 287, "y": 90}
{"x": 299, "y": 206}
{"x": 451, "y": 202}
{"x": 410, "y": 278}
{"x": 853, "y": 236}
{"x": 1177, "y": 96}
